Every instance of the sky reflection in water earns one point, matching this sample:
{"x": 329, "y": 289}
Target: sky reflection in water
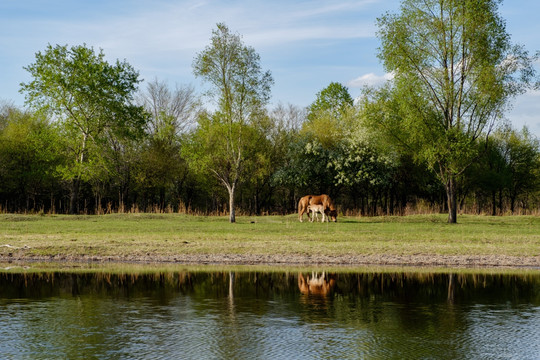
{"x": 256, "y": 315}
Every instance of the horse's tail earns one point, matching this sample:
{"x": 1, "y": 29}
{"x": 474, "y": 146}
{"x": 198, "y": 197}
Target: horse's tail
{"x": 303, "y": 203}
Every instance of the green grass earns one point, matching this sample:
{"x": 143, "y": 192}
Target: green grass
{"x": 138, "y": 235}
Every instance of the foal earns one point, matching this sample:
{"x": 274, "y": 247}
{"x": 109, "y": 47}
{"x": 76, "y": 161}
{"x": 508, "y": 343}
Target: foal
{"x": 315, "y": 210}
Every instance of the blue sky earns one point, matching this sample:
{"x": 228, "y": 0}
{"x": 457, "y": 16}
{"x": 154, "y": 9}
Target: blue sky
{"x": 305, "y": 44}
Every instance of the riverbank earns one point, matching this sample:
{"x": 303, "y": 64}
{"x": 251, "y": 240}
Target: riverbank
{"x": 424, "y": 240}
{"x": 480, "y": 261}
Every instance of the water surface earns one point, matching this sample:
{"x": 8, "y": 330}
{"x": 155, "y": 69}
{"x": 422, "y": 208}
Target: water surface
{"x": 274, "y": 315}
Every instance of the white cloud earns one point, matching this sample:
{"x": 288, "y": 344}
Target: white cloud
{"x": 178, "y": 27}
{"x": 370, "y": 79}
{"x": 161, "y": 38}
{"x": 183, "y": 27}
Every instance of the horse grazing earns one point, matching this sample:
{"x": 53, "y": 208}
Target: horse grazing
{"x": 324, "y": 200}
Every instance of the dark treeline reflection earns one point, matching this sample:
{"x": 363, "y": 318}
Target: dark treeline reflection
{"x": 397, "y": 287}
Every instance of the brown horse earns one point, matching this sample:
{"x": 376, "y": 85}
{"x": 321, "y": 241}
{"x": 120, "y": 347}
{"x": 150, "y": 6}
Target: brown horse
{"x": 324, "y": 200}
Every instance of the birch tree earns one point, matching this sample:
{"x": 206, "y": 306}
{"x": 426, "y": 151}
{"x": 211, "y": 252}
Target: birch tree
{"x": 240, "y": 89}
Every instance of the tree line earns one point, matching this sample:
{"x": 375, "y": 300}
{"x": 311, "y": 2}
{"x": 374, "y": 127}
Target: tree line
{"x": 94, "y": 138}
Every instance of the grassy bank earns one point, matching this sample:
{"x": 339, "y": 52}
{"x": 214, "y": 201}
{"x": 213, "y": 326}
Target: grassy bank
{"x": 171, "y": 236}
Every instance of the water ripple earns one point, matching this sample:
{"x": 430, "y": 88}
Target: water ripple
{"x": 283, "y": 324}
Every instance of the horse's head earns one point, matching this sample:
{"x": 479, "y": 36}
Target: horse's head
{"x": 333, "y": 215}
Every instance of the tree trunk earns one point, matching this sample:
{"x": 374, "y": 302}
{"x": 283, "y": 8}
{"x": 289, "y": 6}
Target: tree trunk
{"x": 232, "y": 214}
{"x": 500, "y": 202}
{"x": 256, "y": 200}
{"x": 493, "y": 203}
{"x": 512, "y": 203}
{"x": 452, "y": 200}
{"x": 74, "y": 196}
{"x": 392, "y": 200}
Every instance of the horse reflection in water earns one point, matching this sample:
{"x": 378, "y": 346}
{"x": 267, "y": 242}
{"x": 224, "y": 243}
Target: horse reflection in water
{"x": 321, "y": 285}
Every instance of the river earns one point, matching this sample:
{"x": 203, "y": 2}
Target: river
{"x": 182, "y": 314}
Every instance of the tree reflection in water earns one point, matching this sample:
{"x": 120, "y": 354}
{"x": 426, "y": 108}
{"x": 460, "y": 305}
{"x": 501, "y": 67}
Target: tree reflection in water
{"x": 366, "y": 314}
{"x": 167, "y": 285}
{"x": 164, "y": 285}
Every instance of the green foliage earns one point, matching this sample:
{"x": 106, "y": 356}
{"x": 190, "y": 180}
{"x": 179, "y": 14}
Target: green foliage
{"x": 401, "y": 146}
{"x": 207, "y": 147}
{"x": 307, "y": 167}
{"x": 522, "y": 155}
{"x": 329, "y": 116}
{"x": 455, "y": 72}
{"x": 313, "y": 153}
{"x": 79, "y": 86}
{"x": 334, "y": 99}
{"x": 158, "y": 168}
{"x": 91, "y": 100}
{"x": 239, "y": 85}
{"x": 325, "y": 129}
{"x": 28, "y": 157}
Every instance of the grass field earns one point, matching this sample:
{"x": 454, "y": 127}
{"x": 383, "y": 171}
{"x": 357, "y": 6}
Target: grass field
{"x": 164, "y": 236}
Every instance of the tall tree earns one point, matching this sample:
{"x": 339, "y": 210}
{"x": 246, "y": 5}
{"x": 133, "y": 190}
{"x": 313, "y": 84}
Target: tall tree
{"x": 334, "y": 98}
{"x": 455, "y": 72}
{"x": 328, "y": 118}
{"x": 161, "y": 170}
{"x": 89, "y": 97}
{"x": 241, "y": 90}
